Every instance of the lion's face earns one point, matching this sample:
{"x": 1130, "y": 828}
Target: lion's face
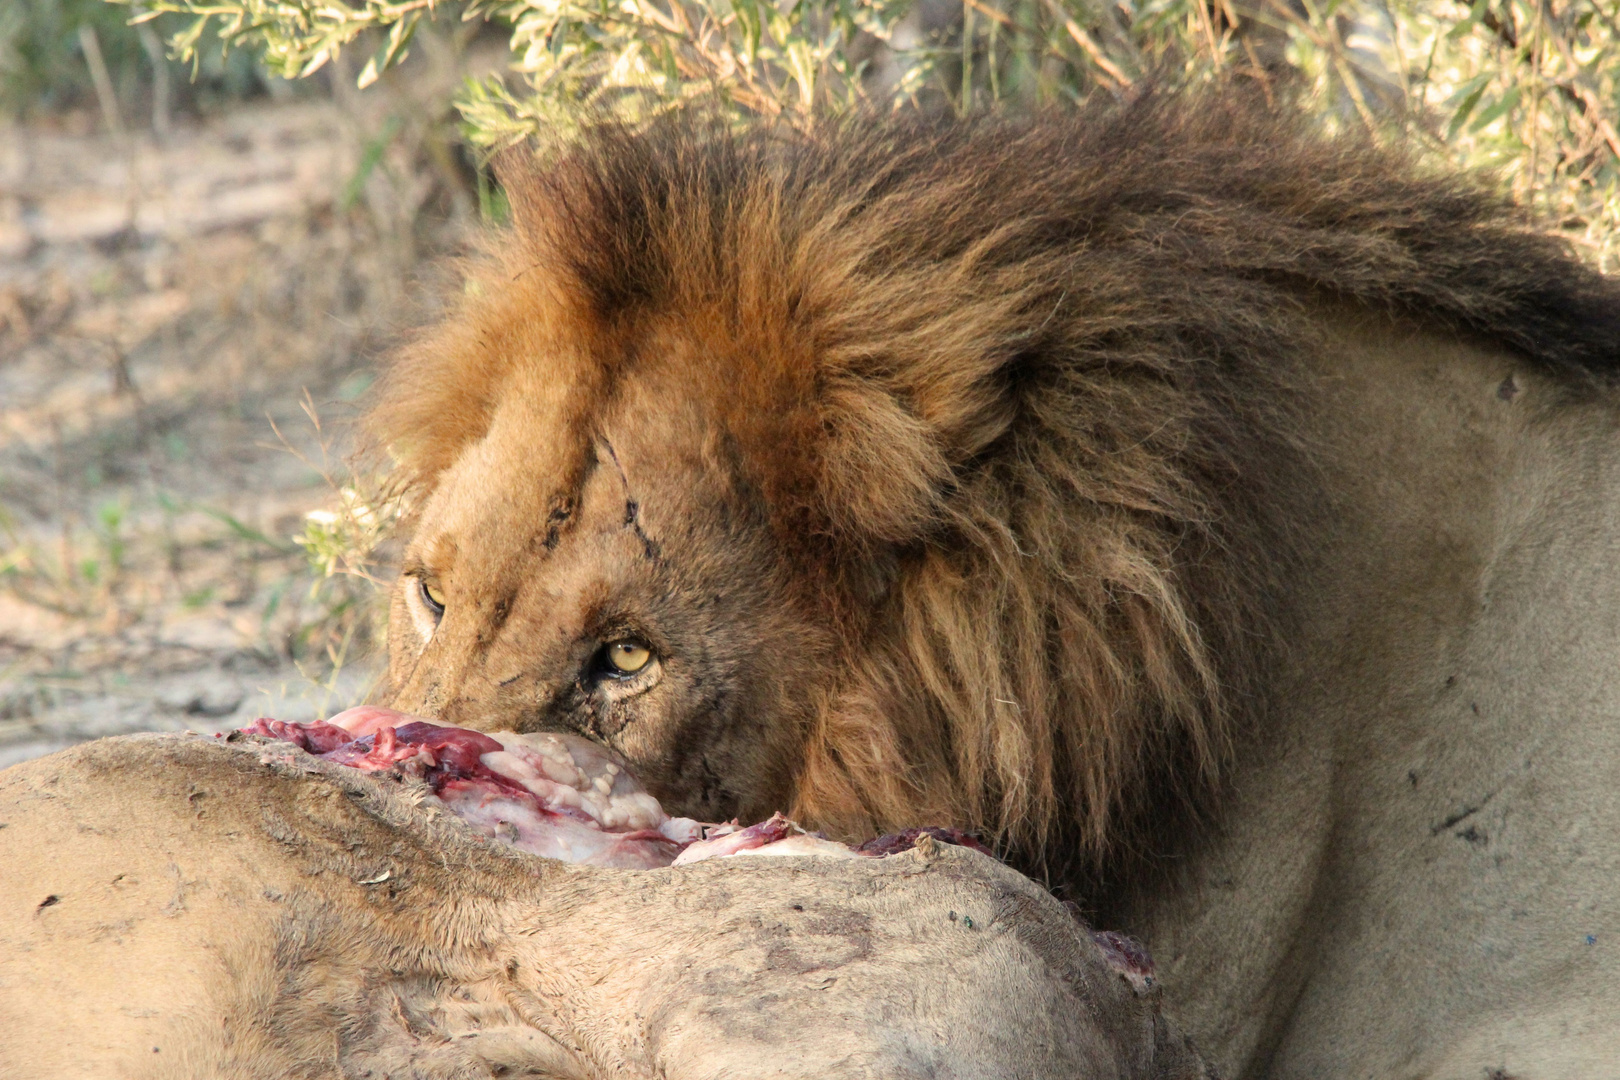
{"x": 613, "y": 579}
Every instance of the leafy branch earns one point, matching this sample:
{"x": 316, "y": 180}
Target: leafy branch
{"x": 298, "y": 37}
{"x": 1530, "y": 88}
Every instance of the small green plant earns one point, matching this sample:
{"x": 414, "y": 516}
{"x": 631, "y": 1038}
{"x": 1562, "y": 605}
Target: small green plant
{"x": 197, "y": 598}
{"x": 109, "y": 533}
{"x": 344, "y": 540}
{"x": 344, "y": 545}
{"x": 80, "y": 573}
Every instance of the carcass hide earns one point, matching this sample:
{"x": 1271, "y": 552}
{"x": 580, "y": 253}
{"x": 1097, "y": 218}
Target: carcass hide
{"x": 173, "y": 906}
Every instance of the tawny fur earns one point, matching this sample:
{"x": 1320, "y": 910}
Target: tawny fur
{"x": 1025, "y": 382}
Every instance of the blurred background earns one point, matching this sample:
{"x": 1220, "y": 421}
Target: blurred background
{"x": 217, "y": 215}
{"x": 197, "y": 274}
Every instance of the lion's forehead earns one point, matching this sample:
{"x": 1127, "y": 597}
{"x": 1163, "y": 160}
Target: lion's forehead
{"x": 658, "y": 458}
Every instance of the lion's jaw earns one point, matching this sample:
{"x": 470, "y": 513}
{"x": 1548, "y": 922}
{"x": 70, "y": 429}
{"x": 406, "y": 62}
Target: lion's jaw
{"x": 548, "y": 540}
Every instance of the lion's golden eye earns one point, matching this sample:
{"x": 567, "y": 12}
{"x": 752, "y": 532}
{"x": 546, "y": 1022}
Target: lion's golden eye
{"x": 434, "y": 596}
{"x": 628, "y": 656}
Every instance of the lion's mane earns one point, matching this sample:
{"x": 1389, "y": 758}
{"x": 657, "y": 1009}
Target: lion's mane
{"x": 1015, "y": 393}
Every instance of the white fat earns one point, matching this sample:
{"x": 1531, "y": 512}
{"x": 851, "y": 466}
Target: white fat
{"x": 510, "y": 766}
{"x": 569, "y": 772}
{"x": 682, "y": 830}
{"x": 801, "y": 845}
{"x": 733, "y": 845}
{"x": 552, "y": 838}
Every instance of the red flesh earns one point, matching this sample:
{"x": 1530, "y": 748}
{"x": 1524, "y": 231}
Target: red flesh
{"x": 450, "y": 761}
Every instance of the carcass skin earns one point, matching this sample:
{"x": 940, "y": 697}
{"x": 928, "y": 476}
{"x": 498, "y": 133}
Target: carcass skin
{"x": 172, "y": 906}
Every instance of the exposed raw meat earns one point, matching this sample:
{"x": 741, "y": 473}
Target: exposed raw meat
{"x": 555, "y": 795}
{"x": 733, "y": 839}
{"x": 1129, "y": 957}
{"x": 906, "y": 839}
{"x": 317, "y": 738}
{"x": 561, "y": 796}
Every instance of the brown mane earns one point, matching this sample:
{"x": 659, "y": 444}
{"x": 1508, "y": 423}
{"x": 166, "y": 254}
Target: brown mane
{"x": 1022, "y": 381}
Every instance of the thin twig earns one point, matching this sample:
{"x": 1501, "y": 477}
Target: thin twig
{"x": 1088, "y": 44}
{"x": 91, "y": 46}
{"x": 1259, "y": 70}
{"x": 1537, "y": 32}
{"x": 160, "y": 79}
{"x": 990, "y": 12}
{"x": 1206, "y": 22}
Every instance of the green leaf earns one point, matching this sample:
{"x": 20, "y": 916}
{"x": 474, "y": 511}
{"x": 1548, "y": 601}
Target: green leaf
{"x": 751, "y": 25}
{"x": 185, "y": 42}
{"x": 370, "y": 157}
{"x": 315, "y": 63}
{"x": 1506, "y": 104}
{"x": 1475, "y": 14}
{"x": 1466, "y": 97}
{"x": 244, "y": 531}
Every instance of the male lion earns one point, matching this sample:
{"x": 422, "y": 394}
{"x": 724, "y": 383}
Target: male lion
{"x": 1221, "y": 516}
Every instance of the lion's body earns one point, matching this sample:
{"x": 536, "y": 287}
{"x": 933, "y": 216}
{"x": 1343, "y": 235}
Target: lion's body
{"x": 1160, "y": 491}
{"x": 1414, "y": 868}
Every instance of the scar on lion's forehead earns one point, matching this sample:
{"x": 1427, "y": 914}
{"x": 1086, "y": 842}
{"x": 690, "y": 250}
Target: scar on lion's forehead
{"x": 604, "y": 443}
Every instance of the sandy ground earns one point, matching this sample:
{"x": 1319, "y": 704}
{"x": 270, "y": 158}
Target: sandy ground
{"x": 164, "y": 310}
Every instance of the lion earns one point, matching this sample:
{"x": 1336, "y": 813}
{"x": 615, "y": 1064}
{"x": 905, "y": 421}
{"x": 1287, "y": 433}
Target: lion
{"x": 1216, "y": 514}
{"x": 176, "y": 907}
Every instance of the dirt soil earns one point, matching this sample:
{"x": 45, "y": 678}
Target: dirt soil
{"x": 185, "y": 332}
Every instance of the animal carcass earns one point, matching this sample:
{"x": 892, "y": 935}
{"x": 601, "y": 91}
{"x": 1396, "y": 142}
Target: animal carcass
{"x": 175, "y": 906}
